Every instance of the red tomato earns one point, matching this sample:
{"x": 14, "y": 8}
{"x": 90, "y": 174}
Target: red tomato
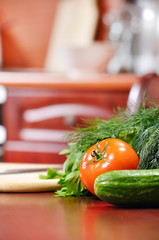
{"x": 107, "y": 155}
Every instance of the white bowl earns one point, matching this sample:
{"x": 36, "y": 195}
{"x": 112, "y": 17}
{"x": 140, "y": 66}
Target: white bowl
{"x": 94, "y": 57}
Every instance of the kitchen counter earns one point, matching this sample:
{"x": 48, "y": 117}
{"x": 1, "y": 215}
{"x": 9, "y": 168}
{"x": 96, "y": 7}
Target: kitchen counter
{"x": 40, "y": 216}
{"x": 68, "y": 81}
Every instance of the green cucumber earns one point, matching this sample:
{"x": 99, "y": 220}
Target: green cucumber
{"x": 129, "y": 187}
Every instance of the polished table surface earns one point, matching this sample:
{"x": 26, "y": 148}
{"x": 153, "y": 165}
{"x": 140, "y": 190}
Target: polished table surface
{"x": 41, "y": 216}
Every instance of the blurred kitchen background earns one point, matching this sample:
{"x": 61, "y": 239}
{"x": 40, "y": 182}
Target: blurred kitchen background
{"x": 73, "y": 38}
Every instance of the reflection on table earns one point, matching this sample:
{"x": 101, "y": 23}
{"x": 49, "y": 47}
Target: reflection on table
{"x": 42, "y": 216}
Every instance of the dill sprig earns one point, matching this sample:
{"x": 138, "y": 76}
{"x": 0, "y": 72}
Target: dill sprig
{"x": 124, "y": 126}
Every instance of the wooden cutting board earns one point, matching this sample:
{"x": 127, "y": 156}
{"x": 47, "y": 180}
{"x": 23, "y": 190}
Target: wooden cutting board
{"x": 27, "y": 182}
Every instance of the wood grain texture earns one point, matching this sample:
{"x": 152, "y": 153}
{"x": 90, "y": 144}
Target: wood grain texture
{"x": 27, "y": 182}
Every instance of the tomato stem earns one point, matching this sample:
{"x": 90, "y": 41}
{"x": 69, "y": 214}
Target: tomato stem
{"x": 98, "y": 154}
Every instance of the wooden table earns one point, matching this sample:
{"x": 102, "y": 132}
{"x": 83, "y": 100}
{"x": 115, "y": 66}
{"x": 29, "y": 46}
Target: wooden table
{"x": 39, "y": 216}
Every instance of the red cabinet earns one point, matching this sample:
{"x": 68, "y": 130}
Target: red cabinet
{"x": 41, "y": 108}
{"x": 38, "y": 119}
